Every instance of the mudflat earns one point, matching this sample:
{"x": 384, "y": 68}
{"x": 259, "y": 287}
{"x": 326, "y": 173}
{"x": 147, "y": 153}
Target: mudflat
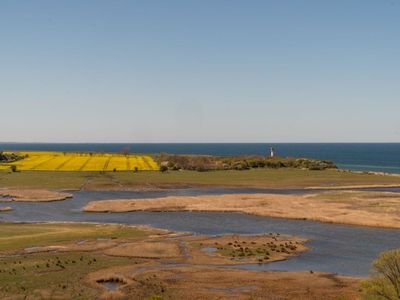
{"x": 378, "y": 209}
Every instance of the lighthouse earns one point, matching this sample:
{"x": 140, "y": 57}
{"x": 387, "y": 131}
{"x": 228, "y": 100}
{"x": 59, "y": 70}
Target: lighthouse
{"x": 271, "y": 152}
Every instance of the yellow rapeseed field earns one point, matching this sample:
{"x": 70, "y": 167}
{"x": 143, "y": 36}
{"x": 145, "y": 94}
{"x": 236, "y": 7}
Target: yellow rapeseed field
{"x": 72, "y": 161}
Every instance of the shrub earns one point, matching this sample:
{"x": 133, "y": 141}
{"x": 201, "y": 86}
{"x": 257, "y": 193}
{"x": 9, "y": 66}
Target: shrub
{"x": 384, "y": 282}
{"x": 176, "y": 167}
{"x": 13, "y": 168}
{"x": 201, "y": 168}
{"x": 256, "y": 163}
{"x": 163, "y": 168}
{"x": 316, "y": 168}
{"x": 244, "y": 162}
{"x": 10, "y": 157}
{"x": 240, "y": 166}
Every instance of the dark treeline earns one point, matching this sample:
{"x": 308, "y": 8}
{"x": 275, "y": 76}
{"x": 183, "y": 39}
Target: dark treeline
{"x": 210, "y": 163}
{"x": 9, "y": 157}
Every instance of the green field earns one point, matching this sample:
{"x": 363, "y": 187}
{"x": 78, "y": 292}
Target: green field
{"x": 55, "y": 275}
{"x": 20, "y": 236}
{"x": 261, "y": 178}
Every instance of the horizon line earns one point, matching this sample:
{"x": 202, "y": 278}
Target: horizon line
{"x": 333, "y": 142}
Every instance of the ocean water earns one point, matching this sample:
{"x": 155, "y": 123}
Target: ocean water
{"x": 380, "y": 157}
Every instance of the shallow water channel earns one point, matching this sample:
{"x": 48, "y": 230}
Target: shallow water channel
{"x": 342, "y": 249}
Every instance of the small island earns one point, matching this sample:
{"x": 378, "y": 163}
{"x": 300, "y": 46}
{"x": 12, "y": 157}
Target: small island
{"x": 5, "y": 208}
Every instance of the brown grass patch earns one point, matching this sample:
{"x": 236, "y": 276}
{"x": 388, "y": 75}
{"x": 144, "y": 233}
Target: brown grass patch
{"x": 5, "y": 208}
{"x": 33, "y": 195}
{"x": 361, "y": 208}
{"x": 145, "y": 250}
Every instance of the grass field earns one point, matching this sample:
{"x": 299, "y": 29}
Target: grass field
{"x": 260, "y": 178}
{"x": 19, "y": 236}
{"x": 68, "y": 161}
{"x": 56, "y": 275}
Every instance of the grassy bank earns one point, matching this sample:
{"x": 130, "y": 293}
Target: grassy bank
{"x": 260, "y": 178}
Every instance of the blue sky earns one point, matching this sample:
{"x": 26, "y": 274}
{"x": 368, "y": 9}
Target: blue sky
{"x": 200, "y": 71}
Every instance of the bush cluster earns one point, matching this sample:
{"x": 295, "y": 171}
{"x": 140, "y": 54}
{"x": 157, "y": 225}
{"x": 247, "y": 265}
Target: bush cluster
{"x": 9, "y": 157}
{"x": 384, "y": 282}
{"x": 209, "y": 163}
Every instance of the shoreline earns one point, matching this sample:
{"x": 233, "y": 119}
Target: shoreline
{"x": 171, "y": 187}
{"x": 157, "y": 188}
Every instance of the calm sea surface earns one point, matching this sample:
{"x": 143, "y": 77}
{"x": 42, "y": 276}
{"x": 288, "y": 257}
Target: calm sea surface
{"x": 383, "y": 157}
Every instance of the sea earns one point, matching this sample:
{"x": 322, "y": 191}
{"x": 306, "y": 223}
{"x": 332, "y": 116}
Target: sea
{"x": 375, "y": 157}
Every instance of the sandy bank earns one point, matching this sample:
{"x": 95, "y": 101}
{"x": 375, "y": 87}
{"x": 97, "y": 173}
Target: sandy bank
{"x": 353, "y": 187}
{"x": 379, "y": 209}
{"x": 32, "y": 195}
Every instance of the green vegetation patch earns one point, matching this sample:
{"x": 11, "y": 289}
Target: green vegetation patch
{"x": 53, "y": 275}
{"x": 209, "y": 162}
{"x": 20, "y": 236}
{"x": 262, "y": 178}
{"x": 46, "y": 179}
{"x": 266, "y": 178}
{"x": 10, "y": 157}
{"x": 384, "y": 282}
{"x": 255, "y": 250}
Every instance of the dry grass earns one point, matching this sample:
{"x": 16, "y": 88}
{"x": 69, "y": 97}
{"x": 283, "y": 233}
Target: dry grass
{"x": 33, "y": 195}
{"x": 152, "y": 249}
{"x": 378, "y": 209}
{"x": 5, "y": 208}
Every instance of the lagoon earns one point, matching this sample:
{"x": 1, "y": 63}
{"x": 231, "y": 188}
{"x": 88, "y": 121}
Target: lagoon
{"x": 343, "y": 249}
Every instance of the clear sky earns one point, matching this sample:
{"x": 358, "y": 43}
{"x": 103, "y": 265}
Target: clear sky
{"x": 200, "y": 71}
